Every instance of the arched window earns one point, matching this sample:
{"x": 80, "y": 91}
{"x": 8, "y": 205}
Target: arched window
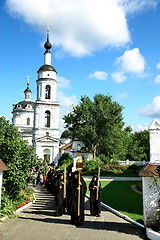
{"x": 48, "y": 92}
{"x": 47, "y": 118}
{"x": 28, "y": 121}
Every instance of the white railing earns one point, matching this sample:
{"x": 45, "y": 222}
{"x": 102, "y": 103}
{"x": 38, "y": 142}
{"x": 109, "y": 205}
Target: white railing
{"x": 127, "y": 162}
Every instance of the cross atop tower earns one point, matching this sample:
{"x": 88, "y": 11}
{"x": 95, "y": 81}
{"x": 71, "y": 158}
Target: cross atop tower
{"x": 28, "y": 78}
{"x": 47, "y": 44}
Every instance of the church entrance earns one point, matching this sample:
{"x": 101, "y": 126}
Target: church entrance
{"x": 47, "y": 156}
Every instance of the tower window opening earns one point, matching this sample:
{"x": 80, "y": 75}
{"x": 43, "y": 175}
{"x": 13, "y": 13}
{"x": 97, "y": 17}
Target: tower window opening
{"x": 47, "y": 118}
{"x": 28, "y": 121}
{"x": 48, "y": 92}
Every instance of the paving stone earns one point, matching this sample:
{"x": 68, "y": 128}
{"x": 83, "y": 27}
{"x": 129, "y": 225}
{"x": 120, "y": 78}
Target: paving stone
{"x": 39, "y": 222}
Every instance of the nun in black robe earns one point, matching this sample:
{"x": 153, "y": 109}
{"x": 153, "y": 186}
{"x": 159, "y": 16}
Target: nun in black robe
{"x": 95, "y": 206}
{"x": 59, "y": 194}
{"x": 68, "y": 192}
{"x": 75, "y": 218}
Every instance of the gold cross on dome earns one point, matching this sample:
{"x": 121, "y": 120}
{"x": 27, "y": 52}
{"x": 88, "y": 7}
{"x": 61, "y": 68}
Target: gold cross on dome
{"x": 28, "y": 78}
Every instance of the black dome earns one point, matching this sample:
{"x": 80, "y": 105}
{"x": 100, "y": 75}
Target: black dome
{"x": 47, "y": 45}
{"x": 24, "y": 104}
{"x": 65, "y": 134}
{"x": 27, "y": 90}
{"x": 46, "y": 68}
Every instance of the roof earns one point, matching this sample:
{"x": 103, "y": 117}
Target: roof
{"x": 155, "y": 125}
{"x": 68, "y": 146}
{"x": 46, "y": 67}
{"x": 27, "y": 90}
{"x": 48, "y": 138}
{"x": 3, "y": 167}
{"x": 24, "y": 104}
{"x": 150, "y": 170}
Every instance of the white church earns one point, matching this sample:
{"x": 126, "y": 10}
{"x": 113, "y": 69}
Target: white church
{"x": 38, "y": 122}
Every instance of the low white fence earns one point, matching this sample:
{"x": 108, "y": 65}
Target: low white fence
{"x": 127, "y": 162}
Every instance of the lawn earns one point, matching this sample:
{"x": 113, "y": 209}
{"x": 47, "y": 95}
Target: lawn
{"x": 120, "y": 196}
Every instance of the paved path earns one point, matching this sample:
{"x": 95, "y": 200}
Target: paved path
{"x": 38, "y": 222}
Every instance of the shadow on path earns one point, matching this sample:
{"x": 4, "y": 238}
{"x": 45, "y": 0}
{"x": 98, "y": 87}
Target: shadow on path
{"x": 43, "y": 210}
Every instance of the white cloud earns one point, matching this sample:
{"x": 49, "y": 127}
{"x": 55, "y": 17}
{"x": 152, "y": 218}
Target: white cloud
{"x": 140, "y": 127}
{"x": 132, "y": 62}
{"x": 118, "y": 77}
{"x": 79, "y": 27}
{"x": 122, "y": 96}
{"x": 157, "y": 79}
{"x": 63, "y": 82}
{"x": 158, "y": 66}
{"x": 101, "y": 75}
{"x": 132, "y": 6}
{"x": 66, "y": 103}
{"x": 152, "y": 109}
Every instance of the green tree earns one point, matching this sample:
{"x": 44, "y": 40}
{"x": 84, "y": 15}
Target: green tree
{"x": 17, "y": 155}
{"x": 138, "y": 149}
{"x": 98, "y": 123}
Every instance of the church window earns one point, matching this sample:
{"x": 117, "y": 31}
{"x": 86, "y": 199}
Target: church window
{"x": 48, "y": 92}
{"x": 47, "y": 118}
{"x": 28, "y": 121}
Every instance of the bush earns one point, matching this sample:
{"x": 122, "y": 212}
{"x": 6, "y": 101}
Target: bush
{"x": 91, "y": 166}
{"x": 65, "y": 160}
{"x": 9, "y": 203}
{"x": 114, "y": 167}
{"x": 27, "y": 194}
{"x": 134, "y": 168}
{"x": 17, "y": 155}
{"x": 7, "y": 206}
{"x": 104, "y": 159}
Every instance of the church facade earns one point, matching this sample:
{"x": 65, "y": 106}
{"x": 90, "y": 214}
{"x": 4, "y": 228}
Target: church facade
{"x": 38, "y": 121}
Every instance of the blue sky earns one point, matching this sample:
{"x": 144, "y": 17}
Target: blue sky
{"x": 99, "y": 46}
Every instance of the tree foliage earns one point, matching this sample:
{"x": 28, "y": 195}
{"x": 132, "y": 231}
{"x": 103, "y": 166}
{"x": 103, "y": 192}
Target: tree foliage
{"x": 138, "y": 149}
{"x": 98, "y": 123}
{"x": 17, "y": 155}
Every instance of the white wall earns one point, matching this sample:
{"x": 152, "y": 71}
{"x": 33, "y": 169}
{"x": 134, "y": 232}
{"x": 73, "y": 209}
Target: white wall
{"x": 151, "y": 192}
{"x": 151, "y": 185}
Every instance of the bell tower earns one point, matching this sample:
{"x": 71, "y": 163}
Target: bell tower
{"x": 46, "y": 110}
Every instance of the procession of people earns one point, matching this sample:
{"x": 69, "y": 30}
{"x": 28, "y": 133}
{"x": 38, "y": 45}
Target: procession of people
{"x": 69, "y": 191}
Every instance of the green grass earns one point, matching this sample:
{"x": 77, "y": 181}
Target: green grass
{"x": 125, "y": 174}
{"x": 121, "y": 197}
{"x": 112, "y": 174}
